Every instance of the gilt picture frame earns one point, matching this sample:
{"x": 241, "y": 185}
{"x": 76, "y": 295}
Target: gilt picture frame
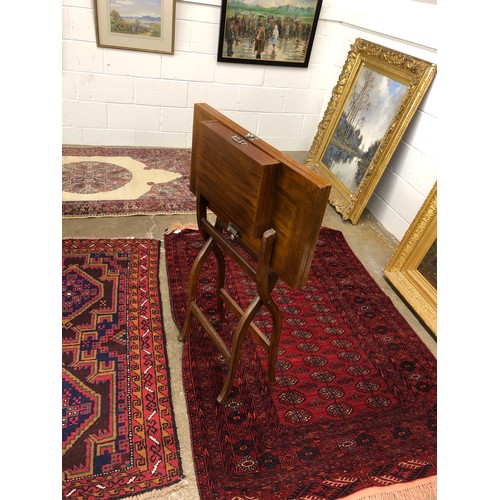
{"x": 268, "y": 33}
{"x": 144, "y": 25}
{"x": 376, "y": 96}
{"x": 412, "y": 268}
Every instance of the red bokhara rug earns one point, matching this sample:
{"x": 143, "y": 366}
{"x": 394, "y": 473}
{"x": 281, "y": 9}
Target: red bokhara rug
{"x": 354, "y": 406}
{"x": 118, "y": 432}
{"x": 104, "y": 181}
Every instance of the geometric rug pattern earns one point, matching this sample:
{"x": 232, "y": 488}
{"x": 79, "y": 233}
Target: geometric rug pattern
{"x": 353, "y": 408}
{"x": 100, "y": 181}
{"x": 118, "y": 427}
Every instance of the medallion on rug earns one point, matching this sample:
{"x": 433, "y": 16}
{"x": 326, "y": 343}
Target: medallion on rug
{"x": 118, "y": 428}
{"x": 354, "y": 403}
{"x": 109, "y": 181}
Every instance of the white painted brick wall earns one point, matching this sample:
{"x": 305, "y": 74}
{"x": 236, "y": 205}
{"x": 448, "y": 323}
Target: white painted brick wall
{"x": 204, "y": 37}
{"x": 246, "y": 120}
{"x": 221, "y": 97}
{"x": 84, "y": 114}
{"x": 189, "y": 67}
{"x": 164, "y": 139}
{"x": 82, "y": 57}
{"x": 298, "y": 101}
{"x": 131, "y": 63}
{"x": 134, "y": 117}
{"x": 160, "y": 92}
{"x": 123, "y": 97}
{"x": 236, "y": 74}
{"x": 104, "y": 88}
{"x": 280, "y": 125}
{"x": 176, "y": 119}
{"x": 108, "y": 137}
{"x": 261, "y": 99}
{"x": 280, "y": 77}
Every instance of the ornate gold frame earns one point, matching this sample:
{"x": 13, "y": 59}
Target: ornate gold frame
{"x": 402, "y": 268}
{"x": 416, "y": 74}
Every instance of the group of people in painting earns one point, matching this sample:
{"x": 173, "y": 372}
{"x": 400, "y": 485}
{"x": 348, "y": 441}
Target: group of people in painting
{"x": 261, "y": 30}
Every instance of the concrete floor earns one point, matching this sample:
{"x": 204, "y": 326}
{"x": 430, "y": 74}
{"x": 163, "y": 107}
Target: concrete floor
{"x": 368, "y": 240}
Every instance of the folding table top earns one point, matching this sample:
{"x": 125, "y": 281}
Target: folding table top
{"x": 268, "y": 188}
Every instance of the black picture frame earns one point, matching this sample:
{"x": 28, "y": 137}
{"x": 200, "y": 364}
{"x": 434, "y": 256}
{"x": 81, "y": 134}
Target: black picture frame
{"x": 295, "y": 26}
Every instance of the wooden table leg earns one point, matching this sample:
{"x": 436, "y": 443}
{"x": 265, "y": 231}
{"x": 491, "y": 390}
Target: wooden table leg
{"x": 265, "y": 279}
{"x": 221, "y": 274}
{"x": 238, "y": 339}
{"x": 193, "y": 285}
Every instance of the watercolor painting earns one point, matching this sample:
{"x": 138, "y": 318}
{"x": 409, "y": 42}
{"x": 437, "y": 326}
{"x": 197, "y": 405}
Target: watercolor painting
{"x": 137, "y": 17}
{"x": 146, "y": 25}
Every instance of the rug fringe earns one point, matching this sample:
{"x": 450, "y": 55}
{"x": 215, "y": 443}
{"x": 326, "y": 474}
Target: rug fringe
{"x": 104, "y": 215}
{"x": 178, "y": 491}
{"x": 421, "y": 489}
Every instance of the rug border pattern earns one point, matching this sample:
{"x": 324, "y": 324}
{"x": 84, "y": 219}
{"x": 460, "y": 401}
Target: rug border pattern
{"x": 145, "y": 330}
{"x": 355, "y": 484}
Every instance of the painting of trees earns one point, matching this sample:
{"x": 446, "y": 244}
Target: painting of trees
{"x": 366, "y": 116}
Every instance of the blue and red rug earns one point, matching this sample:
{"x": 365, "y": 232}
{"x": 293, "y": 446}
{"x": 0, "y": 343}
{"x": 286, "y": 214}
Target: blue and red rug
{"x": 353, "y": 410}
{"x": 118, "y": 428}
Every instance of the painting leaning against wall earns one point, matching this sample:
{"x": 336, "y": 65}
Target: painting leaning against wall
{"x": 268, "y": 32}
{"x": 376, "y": 96}
{"x": 146, "y": 25}
{"x": 362, "y": 125}
{"x": 412, "y": 268}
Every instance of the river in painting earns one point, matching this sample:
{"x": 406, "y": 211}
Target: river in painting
{"x": 348, "y": 168}
{"x": 369, "y": 110}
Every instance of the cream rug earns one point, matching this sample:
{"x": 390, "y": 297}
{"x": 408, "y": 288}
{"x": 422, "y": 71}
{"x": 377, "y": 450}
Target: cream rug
{"x": 111, "y": 181}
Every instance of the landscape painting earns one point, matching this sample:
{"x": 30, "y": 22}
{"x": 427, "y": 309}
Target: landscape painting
{"x": 139, "y": 17}
{"x": 368, "y": 113}
{"x": 146, "y": 25}
{"x": 375, "y": 98}
{"x": 268, "y": 31}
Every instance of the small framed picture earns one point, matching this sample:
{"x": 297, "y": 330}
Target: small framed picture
{"x": 146, "y": 25}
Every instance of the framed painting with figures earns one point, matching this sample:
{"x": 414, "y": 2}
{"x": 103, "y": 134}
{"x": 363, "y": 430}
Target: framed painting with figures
{"x": 268, "y": 32}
